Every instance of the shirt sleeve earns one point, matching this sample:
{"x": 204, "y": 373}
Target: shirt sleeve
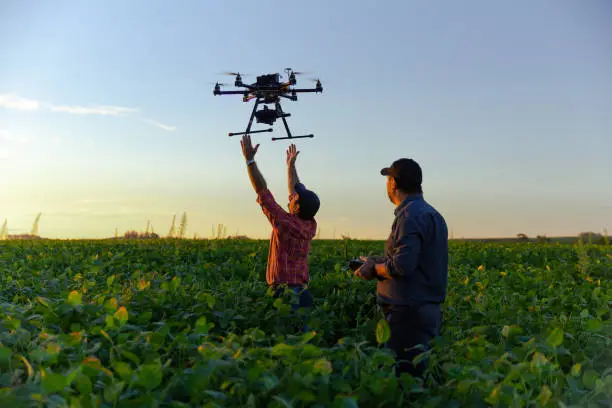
{"x": 274, "y": 212}
{"x": 402, "y": 261}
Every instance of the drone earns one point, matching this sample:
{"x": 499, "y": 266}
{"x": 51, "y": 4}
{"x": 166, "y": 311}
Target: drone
{"x": 268, "y": 89}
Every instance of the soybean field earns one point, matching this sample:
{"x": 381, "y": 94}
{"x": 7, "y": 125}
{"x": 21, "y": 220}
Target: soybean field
{"x": 191, "y": 323}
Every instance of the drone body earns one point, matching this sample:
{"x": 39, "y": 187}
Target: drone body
{"x": 268, "y": 89}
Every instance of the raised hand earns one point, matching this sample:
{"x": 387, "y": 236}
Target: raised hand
{"x": 292, "y": 154}
{"x": 247, "y": 148}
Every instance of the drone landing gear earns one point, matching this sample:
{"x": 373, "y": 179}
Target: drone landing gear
{"x": 287, "y": 129}
{"x": 279, "y": 113}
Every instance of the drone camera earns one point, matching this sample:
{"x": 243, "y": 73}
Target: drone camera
{"x": 267, "y": 116}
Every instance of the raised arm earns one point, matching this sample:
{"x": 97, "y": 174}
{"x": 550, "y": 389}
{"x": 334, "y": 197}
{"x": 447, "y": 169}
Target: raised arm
{"x": 292, "y": 177}
{"x": 257, "y": 180}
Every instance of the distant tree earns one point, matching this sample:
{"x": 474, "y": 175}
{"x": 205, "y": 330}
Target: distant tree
{"x": 23, "y": 236}
{"x": 522, "y": 237}
{"x": 591, "y": 237}
{"x": 130, "y": 234}
{"x": 543, "y": 239}
{"x": 136, "y": 235}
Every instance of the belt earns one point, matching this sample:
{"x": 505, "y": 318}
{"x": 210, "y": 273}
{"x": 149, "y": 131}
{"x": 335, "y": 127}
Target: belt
{"x": 290, "y": 285}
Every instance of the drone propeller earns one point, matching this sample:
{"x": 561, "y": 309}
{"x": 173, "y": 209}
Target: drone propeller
{"x": 234, "y": 74}
{"x": 219, "y": 83}
{"x": 291, "y": 71}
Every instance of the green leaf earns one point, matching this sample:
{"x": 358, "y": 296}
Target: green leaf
{"x": 43, "y": 301}
{"x": 12, "y": 324}
{"x": 283, "y": 401}
{"x": 5, "y": 354}
{"x": 346, "y": 402}
{"x": 270, "y": 381}
{"x": 112, "y": 391}
{"x": 75, "y": 298}
{"x": 52, "y": 383}
{"x": 216, "y": 394}
{"x": 282, "y": 349}
{"x": 306, "y": 337}
{"x": 201, "y": 326}
{"x": 121, "y": 315}
{"x": 589, "y": 377}
{"x": 593, "y": 325}
{"x": 84, "y": 384}
{"x": 555, "y": 338}
{"x": 175, "y": 283}
{"x": 150, "y": 375}
{"x": 322, "y": 366}
{"x": 383, "y": 332}
{"x": 124, "y": 370}
{"x": 545, "y": 395}
{"x": 130, "y": 356}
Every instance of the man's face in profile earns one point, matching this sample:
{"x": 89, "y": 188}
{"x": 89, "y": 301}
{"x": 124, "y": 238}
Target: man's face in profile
{"x": 391, "y": 188}
{"x": 294, "y": 205}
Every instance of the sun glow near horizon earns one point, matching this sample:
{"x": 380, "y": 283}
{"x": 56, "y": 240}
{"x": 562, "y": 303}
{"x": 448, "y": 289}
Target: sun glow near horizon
{"x": 108, "y": 118}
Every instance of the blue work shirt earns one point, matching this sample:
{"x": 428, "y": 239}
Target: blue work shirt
{"x": 416, "y": 255}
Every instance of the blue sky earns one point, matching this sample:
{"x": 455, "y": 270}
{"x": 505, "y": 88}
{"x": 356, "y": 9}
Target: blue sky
{"x": 107, "y": 117}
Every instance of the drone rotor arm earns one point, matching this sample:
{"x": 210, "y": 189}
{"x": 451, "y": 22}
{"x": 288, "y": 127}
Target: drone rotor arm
{"x": 302, "y": 90}
{"x": 231, "y": 93}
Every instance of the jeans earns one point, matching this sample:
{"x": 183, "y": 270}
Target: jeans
{"x": 411, "y": 326}
{"x": 305, "y": 301}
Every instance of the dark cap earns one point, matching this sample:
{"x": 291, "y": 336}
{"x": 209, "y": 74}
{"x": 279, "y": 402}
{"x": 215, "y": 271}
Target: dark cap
{"x": 406, "y": 172}
{"x": 309, "y": 202}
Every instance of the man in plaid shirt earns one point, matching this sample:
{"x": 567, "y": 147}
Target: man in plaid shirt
{"x": 292, "y": 231}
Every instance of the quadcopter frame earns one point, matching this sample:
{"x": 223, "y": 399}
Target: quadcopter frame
{"x": 266, "y": 93}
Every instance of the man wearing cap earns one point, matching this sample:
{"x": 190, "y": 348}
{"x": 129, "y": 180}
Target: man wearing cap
{"x": 412, "y": 274}
{"x": 292, "y": 231}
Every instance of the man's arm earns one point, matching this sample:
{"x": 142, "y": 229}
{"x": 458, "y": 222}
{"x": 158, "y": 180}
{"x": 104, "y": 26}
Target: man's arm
{"x": 404, "y": 261}
{"x": 292, "y": 177}
{"x": 257, "y": 180}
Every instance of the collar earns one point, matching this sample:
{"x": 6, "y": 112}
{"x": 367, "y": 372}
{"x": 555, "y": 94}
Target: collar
{"x": 408, "y": 199}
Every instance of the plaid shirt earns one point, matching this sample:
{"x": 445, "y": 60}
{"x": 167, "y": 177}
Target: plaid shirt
{"x": 289, "y": 243}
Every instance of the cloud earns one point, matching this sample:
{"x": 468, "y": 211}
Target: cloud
{"x": 14, "y": 101}
{"x": 7, "y": 141}
{"x": 98, "y": 110}
{"x": 8, "y": 137}
{"x": 160, "y": 125}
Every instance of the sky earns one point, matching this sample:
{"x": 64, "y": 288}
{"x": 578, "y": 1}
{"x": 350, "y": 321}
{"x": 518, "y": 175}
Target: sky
{"x": 108, "y": 118}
